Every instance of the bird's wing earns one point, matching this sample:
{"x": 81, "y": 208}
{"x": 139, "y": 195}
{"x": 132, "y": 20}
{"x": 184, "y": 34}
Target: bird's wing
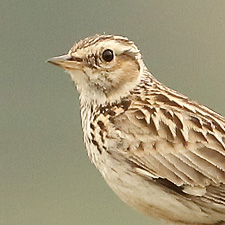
{"x": 179, "y": 146}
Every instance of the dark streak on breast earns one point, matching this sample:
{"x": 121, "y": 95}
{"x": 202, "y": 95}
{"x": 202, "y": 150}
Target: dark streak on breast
{"x": 94, "y": 142}
{"x": 110, "y": 109}
{"x": 125, "y": 104}
{"x": 101, "y": 125}
{"x": 92, "y": 126}
{"x": 101, "y": 135}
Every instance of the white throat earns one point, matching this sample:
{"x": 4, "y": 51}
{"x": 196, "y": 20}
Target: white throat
{"x": 92, "y": 93}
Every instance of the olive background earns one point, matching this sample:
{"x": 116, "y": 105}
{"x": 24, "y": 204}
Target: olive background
{"x": 46, "y": 177}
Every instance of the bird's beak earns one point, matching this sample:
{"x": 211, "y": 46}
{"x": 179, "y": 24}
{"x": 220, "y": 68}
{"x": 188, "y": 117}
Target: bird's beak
{"x": 66, "y": 62}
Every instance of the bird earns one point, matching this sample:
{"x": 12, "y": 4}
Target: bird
{"x": 159, "y": 151}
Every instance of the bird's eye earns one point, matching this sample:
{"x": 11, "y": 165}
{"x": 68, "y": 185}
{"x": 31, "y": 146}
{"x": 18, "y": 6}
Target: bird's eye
{"x": 107, "y": 55}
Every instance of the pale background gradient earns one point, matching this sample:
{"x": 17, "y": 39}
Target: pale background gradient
{"x": 45, "y": 175}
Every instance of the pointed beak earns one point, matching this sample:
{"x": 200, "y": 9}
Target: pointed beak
{"x": 66, "y": 62}
{"x": 58, "y": 60}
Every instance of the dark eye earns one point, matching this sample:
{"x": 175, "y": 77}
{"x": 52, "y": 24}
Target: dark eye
{"x": 107, "y": 55}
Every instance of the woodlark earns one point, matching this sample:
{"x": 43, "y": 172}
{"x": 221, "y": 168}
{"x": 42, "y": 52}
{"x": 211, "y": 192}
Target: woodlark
{"x": 160, "y": 152}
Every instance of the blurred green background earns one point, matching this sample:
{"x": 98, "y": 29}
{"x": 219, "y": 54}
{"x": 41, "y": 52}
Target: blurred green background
{"x": 45, "y": 175}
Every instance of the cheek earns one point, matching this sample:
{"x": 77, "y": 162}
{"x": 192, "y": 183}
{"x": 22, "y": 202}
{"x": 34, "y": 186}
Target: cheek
{"x": 127, "y": 73}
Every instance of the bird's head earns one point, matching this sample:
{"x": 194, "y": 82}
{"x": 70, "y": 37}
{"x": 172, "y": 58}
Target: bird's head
{"x": 104, "y": 67}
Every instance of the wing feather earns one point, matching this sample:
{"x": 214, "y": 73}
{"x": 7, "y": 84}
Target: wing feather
{"x": 185, "y": 149}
